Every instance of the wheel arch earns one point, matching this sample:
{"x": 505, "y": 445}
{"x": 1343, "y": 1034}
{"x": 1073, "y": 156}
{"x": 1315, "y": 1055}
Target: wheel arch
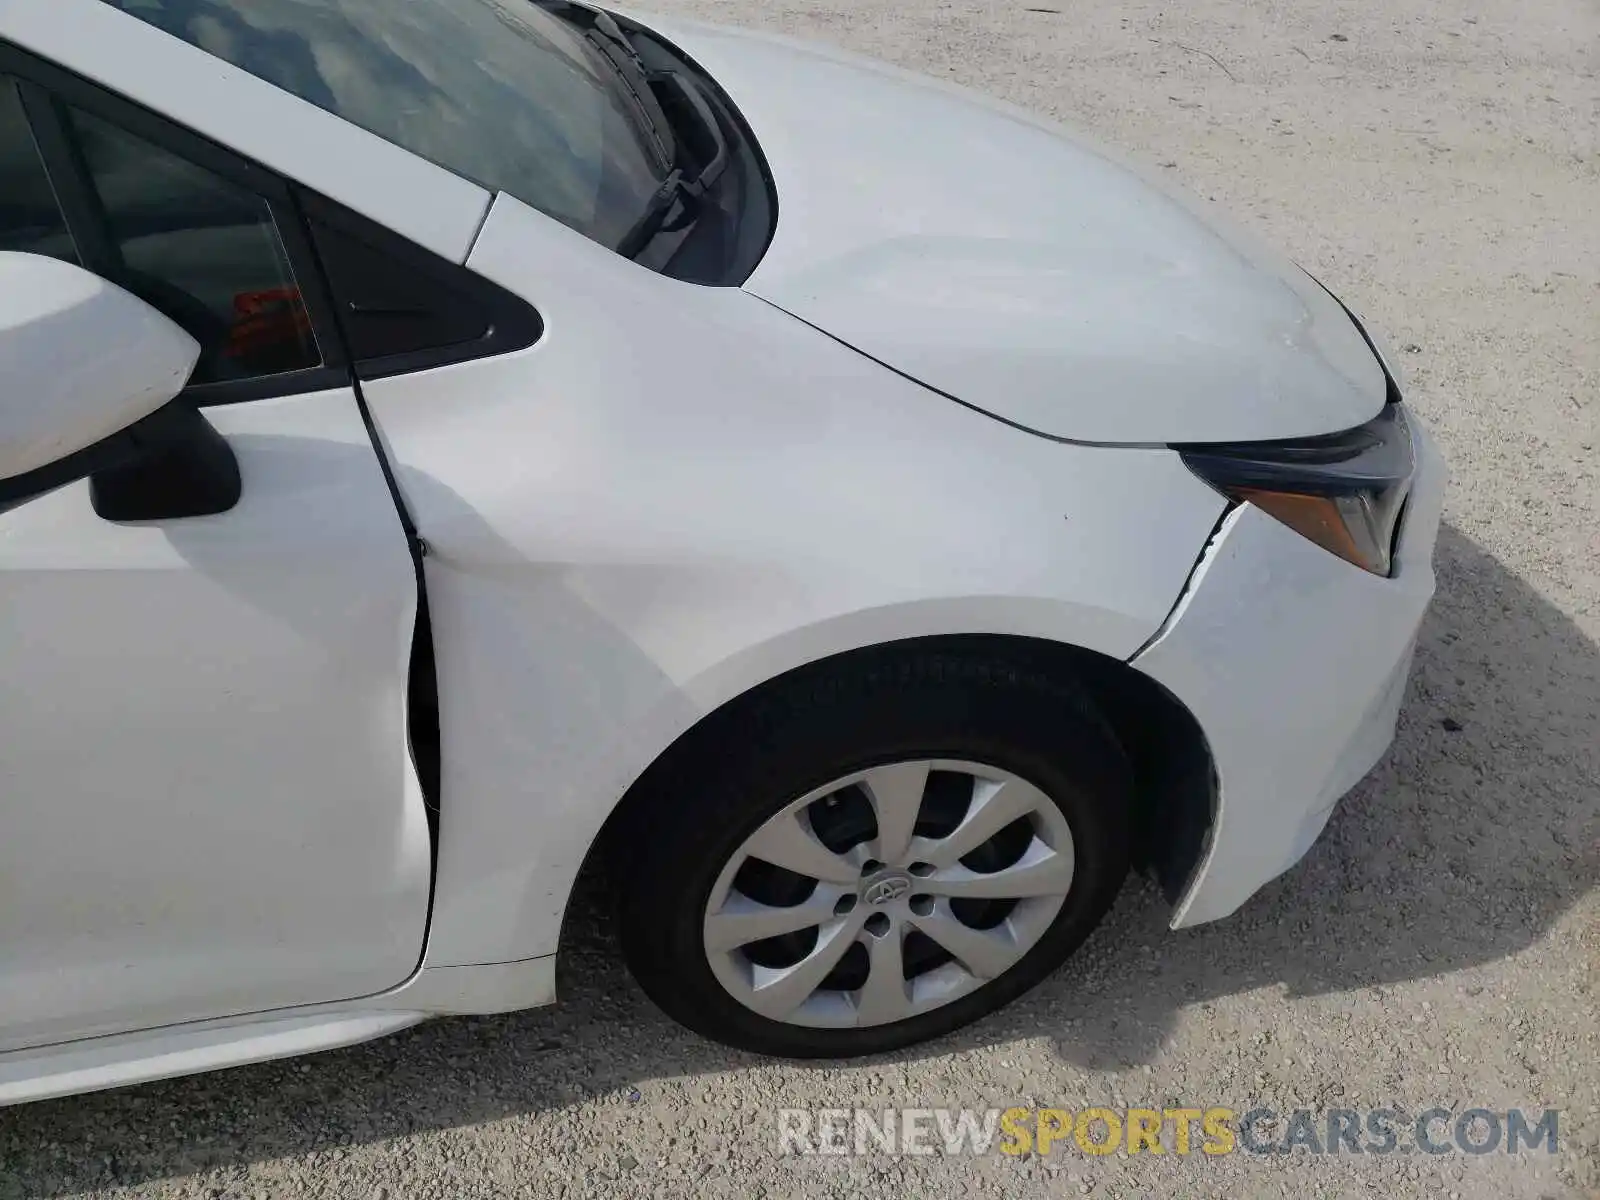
{"x": 1175, "y": 787}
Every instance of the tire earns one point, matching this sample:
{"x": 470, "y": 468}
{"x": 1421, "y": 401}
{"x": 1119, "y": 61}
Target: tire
{"x": 824, "y": 724}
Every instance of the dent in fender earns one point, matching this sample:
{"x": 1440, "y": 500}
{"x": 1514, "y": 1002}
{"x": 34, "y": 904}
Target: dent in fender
{"x": 619, "y": 542}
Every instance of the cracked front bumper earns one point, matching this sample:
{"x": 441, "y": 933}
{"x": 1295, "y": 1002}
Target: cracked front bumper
{"x": 1294, "y": 663}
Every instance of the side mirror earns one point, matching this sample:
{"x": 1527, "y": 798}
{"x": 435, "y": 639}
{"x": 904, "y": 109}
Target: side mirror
{"x": 81, "y": 360}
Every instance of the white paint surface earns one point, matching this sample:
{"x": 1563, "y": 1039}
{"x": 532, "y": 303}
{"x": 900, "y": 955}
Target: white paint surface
{"x": 681, "y": 492}
{"x": 208, "y": 802}
{"x": 1293, "y": 661}
{"x": 1023, "y": 268}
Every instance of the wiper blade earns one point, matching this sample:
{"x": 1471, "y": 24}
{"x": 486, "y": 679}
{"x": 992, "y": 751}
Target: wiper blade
{"x": 679, "y": 189}
{"x": 612, "y": 44}
{"x": 614, "y": 49}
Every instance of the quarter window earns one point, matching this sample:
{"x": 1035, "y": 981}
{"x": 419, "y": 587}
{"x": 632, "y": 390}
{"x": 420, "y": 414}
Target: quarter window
{"x": 196, "y": 245}
{"x": 200, "y": 248}
{"x": 30, "y": 218}
{"x": 285, "y": 290}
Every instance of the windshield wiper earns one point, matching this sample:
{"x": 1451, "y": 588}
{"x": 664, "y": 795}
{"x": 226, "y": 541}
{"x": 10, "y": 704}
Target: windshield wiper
{"x": 678, "y": 188}
{"x": 613, "y": 45}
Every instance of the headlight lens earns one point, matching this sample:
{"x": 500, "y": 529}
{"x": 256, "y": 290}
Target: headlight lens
{"x": 1344, "y": 491}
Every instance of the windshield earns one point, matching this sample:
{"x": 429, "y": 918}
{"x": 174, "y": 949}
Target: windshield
{"x": 502, "y": 92}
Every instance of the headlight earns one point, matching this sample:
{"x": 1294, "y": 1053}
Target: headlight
{"x": 1343, "y": 491}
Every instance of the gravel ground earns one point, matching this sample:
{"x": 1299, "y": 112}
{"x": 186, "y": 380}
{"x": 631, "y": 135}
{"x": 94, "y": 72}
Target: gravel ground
{"x": 1439, "y": 166}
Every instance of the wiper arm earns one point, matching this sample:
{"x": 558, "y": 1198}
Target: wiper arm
{"x": 606, "y": 26}
{"x": 679, "y": 188}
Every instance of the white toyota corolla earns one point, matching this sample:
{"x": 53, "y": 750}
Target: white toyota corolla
{"x": 447, "y": 442}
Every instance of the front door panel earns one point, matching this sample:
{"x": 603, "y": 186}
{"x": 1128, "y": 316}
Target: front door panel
{"x": 207, "y": 803}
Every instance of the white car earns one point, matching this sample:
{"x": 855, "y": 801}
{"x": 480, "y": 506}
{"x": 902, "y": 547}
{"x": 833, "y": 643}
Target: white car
{"x": 445, "y": 443}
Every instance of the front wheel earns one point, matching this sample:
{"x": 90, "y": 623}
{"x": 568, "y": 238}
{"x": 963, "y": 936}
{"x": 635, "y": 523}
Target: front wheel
{"x": 875, "y": 855}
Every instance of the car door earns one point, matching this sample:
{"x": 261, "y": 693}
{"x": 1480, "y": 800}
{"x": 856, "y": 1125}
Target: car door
{"x": 208, "y": 803}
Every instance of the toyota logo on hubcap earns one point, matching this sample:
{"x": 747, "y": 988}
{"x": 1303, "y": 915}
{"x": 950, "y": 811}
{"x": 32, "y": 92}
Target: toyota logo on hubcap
{"x": 886, "y": 889}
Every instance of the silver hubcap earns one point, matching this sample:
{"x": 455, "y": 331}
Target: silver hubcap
{"x": 888, "y": 893}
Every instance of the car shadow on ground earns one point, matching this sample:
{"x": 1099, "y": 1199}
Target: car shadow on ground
{"x": 1463, "y": 847}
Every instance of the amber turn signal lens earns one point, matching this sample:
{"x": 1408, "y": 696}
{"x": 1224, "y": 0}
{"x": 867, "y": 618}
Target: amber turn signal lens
{"x": 1317, "y": 518}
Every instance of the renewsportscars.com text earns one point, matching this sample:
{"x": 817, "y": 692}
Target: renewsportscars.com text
{"x": 1213, "y": 1130}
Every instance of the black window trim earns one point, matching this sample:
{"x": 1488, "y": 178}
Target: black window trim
{"x": 80, "y": 207}
{"x": 514, "y": 324}
{"x": 46, "y": 89}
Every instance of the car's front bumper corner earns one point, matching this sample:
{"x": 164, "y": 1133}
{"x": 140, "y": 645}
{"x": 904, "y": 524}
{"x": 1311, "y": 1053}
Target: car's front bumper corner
{"x": 1293, "y": 663}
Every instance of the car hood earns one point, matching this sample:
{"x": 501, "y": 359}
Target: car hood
{"x": 1021, "y": 268}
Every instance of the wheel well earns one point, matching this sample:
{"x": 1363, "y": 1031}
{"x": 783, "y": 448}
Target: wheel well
{"x": 1174, "y": 781}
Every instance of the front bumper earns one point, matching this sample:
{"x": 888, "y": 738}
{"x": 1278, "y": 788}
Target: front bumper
{"x": 1294, "y": 663}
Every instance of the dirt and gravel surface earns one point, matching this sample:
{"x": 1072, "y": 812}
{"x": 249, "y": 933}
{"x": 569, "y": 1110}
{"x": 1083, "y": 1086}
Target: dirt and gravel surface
{"x": 1439, "y": 166}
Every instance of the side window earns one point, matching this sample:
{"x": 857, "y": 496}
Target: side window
{"x": 285, "y": 290}
{"x": 199, "y": 247}
{"x": 30, "y": 218}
